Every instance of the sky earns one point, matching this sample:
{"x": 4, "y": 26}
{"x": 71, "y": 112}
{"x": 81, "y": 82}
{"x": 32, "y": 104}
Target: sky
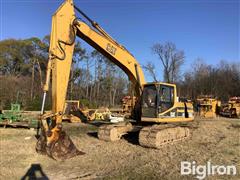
{"x": 209, "y": 30}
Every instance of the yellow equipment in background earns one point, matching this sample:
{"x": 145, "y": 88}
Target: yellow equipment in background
{"x": 208, "y": 106}
{"x": 232, "y": 109}
{"x": 69, "y": 112}
{"x": 157, "y": 102}
{"x": 101, "y": 113}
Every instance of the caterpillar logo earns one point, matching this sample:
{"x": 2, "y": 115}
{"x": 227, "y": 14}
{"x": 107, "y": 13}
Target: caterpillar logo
{"x": 111, "y": 49}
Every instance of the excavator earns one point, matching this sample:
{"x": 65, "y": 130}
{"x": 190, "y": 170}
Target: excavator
{"x": 157, "y": 110}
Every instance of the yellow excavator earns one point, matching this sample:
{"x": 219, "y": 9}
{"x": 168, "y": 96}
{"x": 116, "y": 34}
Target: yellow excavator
{"x": 157, "y": 103}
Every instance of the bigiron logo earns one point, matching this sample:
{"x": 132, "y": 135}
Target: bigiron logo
{"x": 202, "y": 171}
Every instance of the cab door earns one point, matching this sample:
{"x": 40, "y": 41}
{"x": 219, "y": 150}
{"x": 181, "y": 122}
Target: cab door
{"x": 149, "y": 101}
{"x": 166, "y": 98}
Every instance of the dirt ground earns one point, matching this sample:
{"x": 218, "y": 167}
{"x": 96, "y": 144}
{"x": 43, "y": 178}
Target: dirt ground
{"x": 217, "y": 141}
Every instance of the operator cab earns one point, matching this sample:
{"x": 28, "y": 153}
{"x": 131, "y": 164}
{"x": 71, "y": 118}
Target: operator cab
{"x": 157, "y": 98}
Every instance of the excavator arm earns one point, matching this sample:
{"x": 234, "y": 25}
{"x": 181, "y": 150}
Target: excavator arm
{"x": 65, "y": 27}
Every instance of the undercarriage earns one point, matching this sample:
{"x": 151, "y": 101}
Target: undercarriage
{"x": 153, "y": 136}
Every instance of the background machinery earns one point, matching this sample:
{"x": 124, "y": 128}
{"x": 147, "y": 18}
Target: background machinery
{"x": 156, "y": 102}
{"x": 232, "y": 109}
{"x": 15, "y": 117}
{"x": 70, "y": 111}
{"x": 208, "y": 106}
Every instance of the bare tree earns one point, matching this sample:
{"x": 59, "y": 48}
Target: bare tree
{"x": 171, "y": 59}
{"x": 150, "y": 68}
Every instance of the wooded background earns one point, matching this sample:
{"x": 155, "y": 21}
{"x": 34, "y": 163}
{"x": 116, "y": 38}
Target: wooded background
{"x": 95, "y": 81}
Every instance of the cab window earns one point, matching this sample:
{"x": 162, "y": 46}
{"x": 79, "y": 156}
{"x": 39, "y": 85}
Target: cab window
{"x": 166, "y": 97}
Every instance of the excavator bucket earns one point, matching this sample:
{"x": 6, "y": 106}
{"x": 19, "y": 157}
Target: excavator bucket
{"x": 61, "y": 149}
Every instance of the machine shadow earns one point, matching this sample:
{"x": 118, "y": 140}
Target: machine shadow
{"x": 93, "y": 134}
{"x": 35, "y": 172}
{"x": 132, "y": 137}
{"x": 97, "y": 123}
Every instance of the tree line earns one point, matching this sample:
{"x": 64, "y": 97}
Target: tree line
{"x": 221, "y": 80}
{"x": 95, "y": 81}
